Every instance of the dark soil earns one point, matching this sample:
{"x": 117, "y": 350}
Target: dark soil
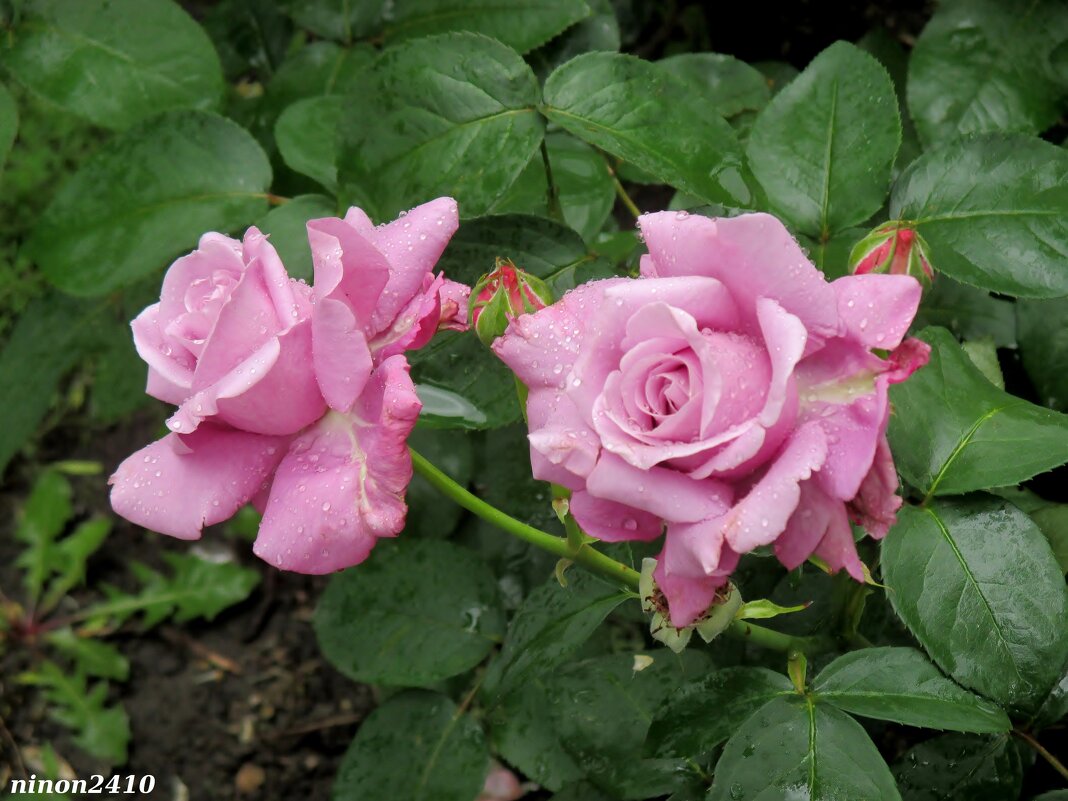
{"x": 243, "y": 707}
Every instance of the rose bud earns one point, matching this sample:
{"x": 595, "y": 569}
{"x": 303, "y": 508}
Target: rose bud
{"x": 893, "y": 250}
{"x": 501, "y": 296}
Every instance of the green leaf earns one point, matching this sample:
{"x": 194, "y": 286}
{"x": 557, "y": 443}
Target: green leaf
{"x": 118, "y": 372}
{"x": 343, "y": 20}
{"x": 1055, "y": 705}
{"x": 960, "y": 767}
{"x": 287, "y": 227}
{"x": 446, "y": 115}
{"x": 976, "y": 583}
{"x": 984, "y": 355}
{"x": 1042, "y": 330}
{"x": 704, "y": 713}
{"x": 49, "y": 339}
{"x": 643, "y": 114}
{"x": 902, "y": 685}
{"x": 462, "y": 384}
{"x": 320, "y": 68}
{"x": 550, "y": 626}
{"x": 68, "y": 558}
{"x": 824, "y": 147}
{"x": 44, "y": 516}
{"x": 953, "y": 431}
{"x": 197, "y": 588}
{"x": 114, "y": 63}
{"x": 543, "y": 248}
{"x": 598, "y": 31}
{"x": 735, "y": 89}
{"x": 306, "y": 134}
{"x": 92, "y": 657}
{"x": 416, "y": 612}
{"x": 417, "y": 746}
{"x": 603, "y": 707}
{"x": 429, "y": 515}
{"x": 520, "y": 24}
{"x": 524, "y": 734}
{"x": 1053, "y": 795}
{"x": 147, "y": 196}
{"x": 1052, "y": 521}
{"x": 100, "y": 730}
{"x": 968, "y": 312}
{"x": 583, "y": 183}
{"x": 794, "y": 747}
{"x": 580, "y": 792}
{"x": 978, "y": 199}
{"x": 984, "y": 65}
{"x": 9, "y": 124}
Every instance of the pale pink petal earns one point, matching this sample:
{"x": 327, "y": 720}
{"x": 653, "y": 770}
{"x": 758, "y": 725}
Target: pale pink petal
{"x": 178, "y": 485}
{"x": 454, "y": 305}
{"x": 340, "y": 353}
{"x": 838, "y": 550}
{"x": 348, "y": 268}
{"x": 660, "y": 491}
{"x": 763, "y": 513}
{"x": 290, "y": 303}
{"x": 170, "y": 366}
{"x": 877, "y": 310}
{"x": 906, "y": 359}
{"x": 613, "y": 522}
{"x": 753, "y": 255}
{"x": 563, "y": 449}
{"x": 816, "y": 514}
{"x": 341, "y": 485}
{"x": 876, "y": 503}
{"x": 413, "y": 243}
{"x": 784, "y": 338}
{"x": 415, "y": 324}
{"x": 215, "y": 253}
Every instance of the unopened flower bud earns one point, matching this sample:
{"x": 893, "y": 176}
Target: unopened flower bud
{"x": 501, "y": 296}
{"x": 892, "y": 249}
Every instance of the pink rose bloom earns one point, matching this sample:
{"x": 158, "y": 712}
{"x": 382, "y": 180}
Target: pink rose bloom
{"x": 730, "y": 395}
{"x": 295, "y": 398}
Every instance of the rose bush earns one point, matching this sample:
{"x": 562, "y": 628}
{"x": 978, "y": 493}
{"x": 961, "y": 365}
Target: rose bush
{"x": 730, "y": 394}
{"x": 295, "y": 398}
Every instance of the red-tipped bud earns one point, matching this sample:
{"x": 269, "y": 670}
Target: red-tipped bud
{"x": 501, "y": 296}
{"x": 895, "y": 250}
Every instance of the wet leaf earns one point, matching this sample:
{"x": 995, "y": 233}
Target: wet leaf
{"x": 953, "y": 431}
{"x": 114, "y": 63}
{"x": 417, "y": 746}
{"x": 9, "y": 124}
{"x": 902, "y": 685}
{"x": 1042, "y": 329}
{"x": 959, "y": 767}
{"x": 416, "y": 612}
{"x": 306, "y": 134}
{"x": 976, "y": 583}
{"x": 146, "y": 197}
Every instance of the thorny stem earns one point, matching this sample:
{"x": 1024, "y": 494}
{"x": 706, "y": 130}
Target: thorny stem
{"x": 590, "y": 558}
{"x": 1046, "y": 755}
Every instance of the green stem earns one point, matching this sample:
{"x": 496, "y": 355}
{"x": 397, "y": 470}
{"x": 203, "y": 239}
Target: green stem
{"x": 1055, "y": 763}
{"x": 556, "y": 211}
{"x": 593, "y": 560}
{"x": 587, "y": 557}
{"x": 632, "y": 207}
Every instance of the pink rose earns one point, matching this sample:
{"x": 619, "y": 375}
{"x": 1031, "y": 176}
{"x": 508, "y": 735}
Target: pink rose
{"x": 253, "y": 358}
{"x": 730, "y": 395}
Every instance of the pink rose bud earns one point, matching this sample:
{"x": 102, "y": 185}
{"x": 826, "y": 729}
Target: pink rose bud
{"x": 503, "y": 295}
{"x": 892, "y": 250}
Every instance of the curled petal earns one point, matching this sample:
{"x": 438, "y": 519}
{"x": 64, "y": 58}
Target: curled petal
{"x": 816, "y": 514}
{"x": 341, "y": 485}
{"x": 907, "y": 358}
{"x": 178, "y": 485}
{"x": 613, "y": 522}
{"x": 876, "y": 503}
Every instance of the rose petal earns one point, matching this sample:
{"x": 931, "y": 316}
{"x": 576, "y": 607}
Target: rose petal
{"x": 815, "y": 515}
{"x": 689, "y": 592}
{"x": 764, "y": 512}
{"x": 838, "y": 550}
{"x": 413, "y": 243}
{"x": 752, "y": 254}
{"x": 340, "y": 353}
{"x": 613, "y": 522}
{"x": 341, "y": 485}
{"x": 178, "y": 485}
{"x": 170, "y": 366}
{"x": 876, "y": 503}
{"x": 660, "y": 491}
{"x": 877, "y": 310}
